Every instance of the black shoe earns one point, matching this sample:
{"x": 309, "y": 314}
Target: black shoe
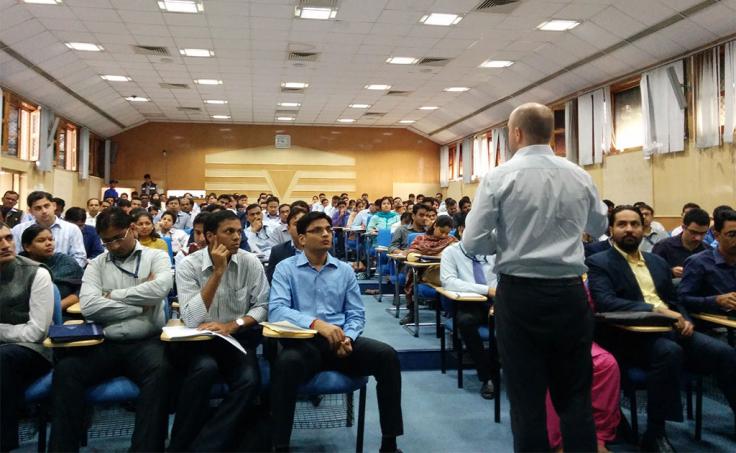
{"x": 407, "y": 319}
{"x": 487, "y": 391}
{"x": 658, "y": 444}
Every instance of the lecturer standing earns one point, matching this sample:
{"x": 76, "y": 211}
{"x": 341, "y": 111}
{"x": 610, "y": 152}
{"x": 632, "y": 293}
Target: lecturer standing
{"x": 531, "y": 212}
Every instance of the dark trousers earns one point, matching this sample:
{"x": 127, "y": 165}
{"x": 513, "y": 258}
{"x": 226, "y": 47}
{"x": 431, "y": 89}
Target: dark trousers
{"x": 202, "y": 364}
{"x": 300, "y": 360}
{"x": 664, "y": 357}
{"x": 19, "y": 368}
{"x": 77, "y": 369}
{"x": 469, "y": 317}
{"x": 544, "y": 329}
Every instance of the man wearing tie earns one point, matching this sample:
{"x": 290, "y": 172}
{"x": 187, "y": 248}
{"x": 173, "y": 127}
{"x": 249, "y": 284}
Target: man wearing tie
{"x": 531, "y": 212}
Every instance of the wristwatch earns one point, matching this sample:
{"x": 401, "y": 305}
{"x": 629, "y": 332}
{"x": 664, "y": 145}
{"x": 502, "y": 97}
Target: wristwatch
{"x": 240, "y": 322}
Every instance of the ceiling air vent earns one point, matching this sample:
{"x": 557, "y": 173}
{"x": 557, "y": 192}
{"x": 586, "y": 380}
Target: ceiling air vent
{"x": 189, "y": 109}
{"x": 154, "y": 115}
{"x": 303, "y": 56}
{"x": 158, "y": 51}
{"x": 373, "y": 115}
{"x": 429, "y": 61}
{"x": 292, "y": 90}
{"x": 398, "y": 93}
{"x": 497, "y": 6}
{"x": 174, "y": 86}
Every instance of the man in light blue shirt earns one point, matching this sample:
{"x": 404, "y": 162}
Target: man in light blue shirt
{"x": 532, "y": 212}
{"x": 67, "y": 236}
{"x": 315, "y": 290}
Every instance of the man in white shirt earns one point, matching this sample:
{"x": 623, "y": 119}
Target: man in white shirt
{"x": 67, "y": 236}
{"x": 361, "y": 218}
{"x": 261, "y": 238}
{"x": 271, "y": 217}
{"x": 653, "y": 231}
{"x": 531, "y": 212}
{"x": 93, "y": 208}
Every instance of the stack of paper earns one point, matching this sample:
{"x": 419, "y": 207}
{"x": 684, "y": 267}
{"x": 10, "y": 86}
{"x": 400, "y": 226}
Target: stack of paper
{"x": 285, "y": 329}
{"x": 183, "y": 332}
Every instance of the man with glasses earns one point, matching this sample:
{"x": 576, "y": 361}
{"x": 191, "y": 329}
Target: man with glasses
{"x": 123, "y": 290}
{"x": 677, "y": 249}
{"x": 709, "y": 281}
{"x": 315, "y": 290}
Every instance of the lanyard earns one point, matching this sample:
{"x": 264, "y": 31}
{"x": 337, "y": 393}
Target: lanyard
{"x": 137, "y": 266}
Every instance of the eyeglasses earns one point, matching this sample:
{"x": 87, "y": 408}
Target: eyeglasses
{"x": 320, "y": 231}
{"x": 116, "y": 240}
{"x": 696, "y": 233}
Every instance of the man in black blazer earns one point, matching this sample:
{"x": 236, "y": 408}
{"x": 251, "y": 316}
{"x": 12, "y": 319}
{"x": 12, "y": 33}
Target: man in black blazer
{"x": 289, "y": 248}
{"x": 624, "y": 279}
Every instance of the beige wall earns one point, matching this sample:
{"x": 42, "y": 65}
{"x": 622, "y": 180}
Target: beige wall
{"x": 61, "y": 183}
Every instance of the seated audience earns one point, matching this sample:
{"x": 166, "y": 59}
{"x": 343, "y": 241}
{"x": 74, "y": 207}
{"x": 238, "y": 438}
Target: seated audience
{"x": 710, "y": 238}
{"x": 8, "y": 213}
{"x": 359, "y": 206}
{"x": 146, "y": 233}
{"x": 653, "y": 231}
{"x": 187, "y": 206}
{"x": 271, "y": 217}
{"x": 462, "y": 272}
{"x": 223, "y": 289}
{"x": 26, "y": 311}
{"x": 339, "y": 221}
{"x": 432, "y": 216}
{"x": 625, "y": 279}
{"x": 124, "y": 204}
{"x": 66, "y": 274}
{"x": 260, "y": 236}
{"x": 197, "y": 238}
{"x": 384, "y": 218}
{"x": 330, "y": 210}
{"x": 179, "y": 238}
{"x": 400, "y": 237}
{"x": 432, "y": 244}
{"x": 465, "y": 205}
{"x": 281, "y": 229}
{"x": 183, "y": 220}
{"x": 405, "y": 220}
{"x": 361, "y": 219}
{"x": 289, "y": 248}
{"x": 60, "y": 205}
{"x": 685, "y": 209}
{"x": 675, "y": 250}
{"x": 315, "y": 290}
{"x": 123, "y": 290}
{"x": 67, "y": 237}
{"x": 709, "y": 280}
{"x": 135, "y": 203}
{"x": 92, "y": 243}
{"x": 451, "y": 208}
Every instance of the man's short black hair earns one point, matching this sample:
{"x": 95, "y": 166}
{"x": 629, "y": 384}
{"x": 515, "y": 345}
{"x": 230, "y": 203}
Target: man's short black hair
{"x": 609, "y": 203}
{"x": 123, "y": 203}
{"x": 295, "y": 211}
{"x": 463, "y": 202}
{"x": 38, "y": 195}
{"x": 146, "y": 176}
{"x": 112, "y": 217}
{"x": 643, "y": 206}
{"x": 201, "y": 218}
{"x": 717, "y": 211}
{"x": 343, "y": 202}
{"x": 170, "y": 199}
{"x": 272, "y": 199}
{"x": 450, "y": 202}
{"x": 442, "y": 221}
{"x": 698, "y": 216}
{"x": 284, "y": 204}
{"x": 252, "y": 206}
{"x": 75, "y": 214}
{"x": 624, "y": 207}
{"x": 171, "y": 214}
{"x": 301, "y": 204}
{"x": 418, "y": 207}
{"x": 213, "y": 220}
{"x": 690, "y": 205}
{"x": 728, "y": 215}
{"x": 59, "y": 202}
{"x": 304, "y": 222}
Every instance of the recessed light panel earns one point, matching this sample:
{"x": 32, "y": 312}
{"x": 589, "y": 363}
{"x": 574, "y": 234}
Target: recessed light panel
{"x": 558, "y": 25}
{"x": 440, "y": 19}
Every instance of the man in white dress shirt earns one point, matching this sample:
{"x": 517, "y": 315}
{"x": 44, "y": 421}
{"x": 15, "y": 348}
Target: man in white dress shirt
{"x": 532, "y": 211}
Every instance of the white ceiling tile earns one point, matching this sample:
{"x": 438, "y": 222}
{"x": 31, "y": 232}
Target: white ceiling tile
{"x": 21, "y": 32}
{"x": 97, "y": 14}
{"x": 618, "y": 23}
{"x": 14, "y": 15}
{"x": 142, "y": 17}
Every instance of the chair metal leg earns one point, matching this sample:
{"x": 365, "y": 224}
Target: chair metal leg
{"x": 497, "y": 400}
{"x": 634, "y": 415}
{"x": 457, "y": 346}
{"x": 41, "y": 428}
{"x": 349, "y": 409}
{"x": 699, "y": 408}
{"x": 438, "y": 303}
{"x": 689, "y": 399}
{"x": 443, "y": 351}
{"x": 361, "y": 420}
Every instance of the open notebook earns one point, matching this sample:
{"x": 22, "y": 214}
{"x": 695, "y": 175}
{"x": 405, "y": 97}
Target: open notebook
{"x": 285, "y": 329}
{"x": 183, "y": 332}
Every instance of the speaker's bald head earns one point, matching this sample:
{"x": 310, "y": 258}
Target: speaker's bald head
{"x": 536, "y": 122}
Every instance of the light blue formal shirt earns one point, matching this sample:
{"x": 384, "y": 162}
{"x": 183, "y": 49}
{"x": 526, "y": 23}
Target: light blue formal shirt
{"x": 300, "y": 294}
{"x": 532, "y": 211}
{"x": 68, "y": 239}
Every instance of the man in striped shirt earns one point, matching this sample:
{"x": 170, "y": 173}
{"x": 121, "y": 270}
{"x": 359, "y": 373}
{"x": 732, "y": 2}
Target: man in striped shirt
{"x": 222, "y": 289}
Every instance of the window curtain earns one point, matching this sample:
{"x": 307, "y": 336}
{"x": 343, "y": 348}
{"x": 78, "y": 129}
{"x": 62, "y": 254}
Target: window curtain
{"x": 84, "y": 153}
{"x": 571, "y": 131}
{"x": 501, "y": 151}
{"x": 481, "y": 164}
{"x": 467, "y": 150}
{"x": 707, "y": 97}
{"x": 730, "y": 91}
{"x": 456, "y": 162}
{"x": 664, "y": 120}
{"x": 47, "y": 132}
{"x": 595, "y": 126}
{"x": 444, "y": 166}
{"x": 2, "y": 114}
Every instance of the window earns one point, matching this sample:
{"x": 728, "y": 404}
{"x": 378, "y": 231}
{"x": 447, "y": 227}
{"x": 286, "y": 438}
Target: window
{"x": 451, "y": 161}
{"x": 65, "y": 146}
{"x": 558, "y": 138}
{"x": 628, "y": 122}
{"x": 29, "y": 131}
{"x": 21, "y": 126}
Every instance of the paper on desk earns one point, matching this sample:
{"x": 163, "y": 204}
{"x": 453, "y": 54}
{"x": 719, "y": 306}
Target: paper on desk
{"x": 187, "y": 332}
{"x": 469, "y": 295}
{"x": 286, "y": 327}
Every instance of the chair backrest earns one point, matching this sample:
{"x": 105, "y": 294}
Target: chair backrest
{"x": 384, "y": 237}
{"x": 167, "y": 240}
{"x": 411, "y": 238}
{"x": 57, "y": 318}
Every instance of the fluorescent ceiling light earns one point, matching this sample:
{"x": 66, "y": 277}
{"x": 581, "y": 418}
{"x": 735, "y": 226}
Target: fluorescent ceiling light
{"x": 221, "y": 117}
{"x": 136, "y": 99}
{"x": 407, "y": 121}
{"x": 496, "y": 64}
{"x": 294, "y": 85}
{"x": 558, "y": 25}
{"x": 284, "y": 118}
{"x": 402, "y": 60}
{"x": 359, "y": 106}
{"x": 115, "y": 78}
{"x": 43, "y": 2}
{"x": 345, "y": 120}
{"x": 208, "y": 82}
{"x": 197, "y": 52}
{"x": 181, "y": 6}
{"x": 84, "y": 46}
{"x": 215, "y": 101}
{"x": 456, "y": 89}
{"x": 428, "y": 107}
{"x": 314, "y": 12}
{"x": 377, "y": 86}
{"x": 440, "y": 19}
{"x": 289, "y": 104}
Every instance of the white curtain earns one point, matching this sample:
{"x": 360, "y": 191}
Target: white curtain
{"x": 730, "y": 91}
{"x": 500, "y": 145}
{"x": 595, "y": 126}
{"x": 664, "y": 120}
{"x": 47, "y": 132}
{"x": 481, "y": 164}
{"x": 707, "y": 97}
{"x": 84, "y": 153}
{"x": 456, "y": 162}
{"x": 444, "y": 166}
{"x": 467, "y": 151}
{"x": 571, "y": 131}
{"x": 2, "y": 114}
